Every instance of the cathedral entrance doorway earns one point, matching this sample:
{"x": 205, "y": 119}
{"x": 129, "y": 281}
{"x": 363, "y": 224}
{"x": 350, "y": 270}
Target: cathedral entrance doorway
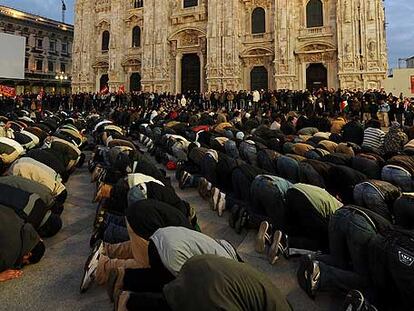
{"x": 316, "y": 76}
{"x": 259, "y": 79}
{"x": 135, "y": 82}
{"x": 190, "y": 73}
{"x": 103, "y": 82}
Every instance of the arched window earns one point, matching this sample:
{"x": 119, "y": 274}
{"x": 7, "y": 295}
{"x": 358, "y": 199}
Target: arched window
{"x": 138, "y": 4}
{"x": 136, "y": 37}
{"x": 190, "y": 3}
{"x": 258, "y": 21}
{"x": 105, "y": 40}
{"x": 314, "y": 14}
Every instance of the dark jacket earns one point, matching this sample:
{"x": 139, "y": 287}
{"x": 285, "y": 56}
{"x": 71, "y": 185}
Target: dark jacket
{"x": 17, "y": 239}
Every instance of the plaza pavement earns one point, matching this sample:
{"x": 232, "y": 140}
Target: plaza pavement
{"x": 53, "y": 284}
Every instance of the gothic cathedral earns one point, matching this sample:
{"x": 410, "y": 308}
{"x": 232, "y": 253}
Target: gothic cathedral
{"x": 206, "y": 45}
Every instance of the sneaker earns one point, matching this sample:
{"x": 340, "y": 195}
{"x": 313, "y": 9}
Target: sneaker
{"x": 234, "y": 215}
{"x": 100, "y": 216}
{"x": 202, "y": 186}
{"x": 309, "y": 276}
{"x": 90, "y": 267}
{"x": 275, "y": 248}
{"x": 121, "y": 303}
{"x": 284, "y": 245}
{"x": 115, "y": 283}
{"x": 241, "y": 222}
{"x": 215, "y": 196}
{"x": 355, "y": 301}
{"x": 185, "y": 178}
{"x": 221, "y": 204}
{"x": 262, "y": 237}
{"x": 97, "y": 234}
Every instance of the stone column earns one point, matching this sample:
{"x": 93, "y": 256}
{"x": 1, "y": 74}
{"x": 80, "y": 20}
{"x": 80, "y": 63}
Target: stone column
{"x": 178, "y": 59}
{"x": 201, "y": 56}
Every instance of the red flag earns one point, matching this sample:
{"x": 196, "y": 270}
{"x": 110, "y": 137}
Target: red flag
{"x": 412, "y": 84}
{"x": 105, "y": 90}
{"x": 121, "y": 89}
{"x": 41, "y": 94}
{"x": 7, "y": 91}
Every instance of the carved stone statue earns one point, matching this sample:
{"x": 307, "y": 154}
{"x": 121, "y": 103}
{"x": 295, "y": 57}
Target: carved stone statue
{"x": 347, "y": 11}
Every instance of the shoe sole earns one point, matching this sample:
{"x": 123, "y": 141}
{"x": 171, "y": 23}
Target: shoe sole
{"x": 273, "y": 255}
{"x": 93, "y": 256}
{"x": 307, "y": 266}
{"x": 200, "y": 188}
{"x": 221, "y": 205}
{"x": 183, "y": 180}
{"x": 239, "y": 222}
{"x": 352, "y": 301}
{"x": 234, "y": 215}
{"x": 260, "y": 238}
{"x": 214, "y": 198}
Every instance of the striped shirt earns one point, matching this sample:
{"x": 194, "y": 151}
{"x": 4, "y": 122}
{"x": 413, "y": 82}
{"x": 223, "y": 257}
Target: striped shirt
{"x": 373, "y": 138}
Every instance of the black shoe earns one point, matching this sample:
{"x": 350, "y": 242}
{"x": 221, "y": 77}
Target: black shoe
{"x": 97, "y": 234}
{"x": 91, "y": 265}
{"x": 185, "y": 178}
{"x": 355, "y": 301}
{"x": 309, "y": 276}
{"x": 241, "y": 221}
{"x": 234, "y": 215}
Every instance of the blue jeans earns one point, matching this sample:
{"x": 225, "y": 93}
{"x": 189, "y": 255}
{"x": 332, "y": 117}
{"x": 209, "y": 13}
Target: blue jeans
{"x": 248, "y": 152}
{"x": 368, "y": 196}
{"x": 116, "y": 231}
{"x": 288, "y": 168}
{"x": 269, "y": 197}
{"x": 208, "y": 168}
{"x": 398, "y": 177}
{"x": 231, "y": 149}
{"x": 349, "y": 235}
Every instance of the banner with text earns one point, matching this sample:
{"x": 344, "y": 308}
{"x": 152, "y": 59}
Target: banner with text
{"x": 7, "y": 91}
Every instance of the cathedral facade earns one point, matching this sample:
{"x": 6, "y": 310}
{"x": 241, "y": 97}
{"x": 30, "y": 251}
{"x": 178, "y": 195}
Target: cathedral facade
{"x": 211, "y": 45}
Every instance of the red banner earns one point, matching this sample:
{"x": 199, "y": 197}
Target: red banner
{"x": 41, "y": 94}
{"x": 7, "y": 91}
{"x": 412, "y": 84}
{"x": 105, "y": 90}
{"x": 121, "y": 89}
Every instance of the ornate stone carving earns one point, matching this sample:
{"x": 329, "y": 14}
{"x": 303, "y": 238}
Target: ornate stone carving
{"x": 189, "y": 38}
{"x": 102, "y": 6}
{"x": 347, "y": 9}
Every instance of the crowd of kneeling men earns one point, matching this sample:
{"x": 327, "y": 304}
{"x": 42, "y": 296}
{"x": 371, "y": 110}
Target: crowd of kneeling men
{"x": 37, "y": 157}
{"x": 334, "y": 198}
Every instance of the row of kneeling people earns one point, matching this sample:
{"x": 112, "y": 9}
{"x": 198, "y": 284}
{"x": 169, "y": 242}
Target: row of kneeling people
{"x": 36, "y": 159}
{"x": 147, "y": 246}
{"x": 347, "y": 205}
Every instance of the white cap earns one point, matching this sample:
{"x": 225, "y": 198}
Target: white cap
{"x": 240, "y": 135}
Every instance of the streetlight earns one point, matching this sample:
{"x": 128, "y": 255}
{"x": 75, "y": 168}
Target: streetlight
{"x": 61, "y": 77}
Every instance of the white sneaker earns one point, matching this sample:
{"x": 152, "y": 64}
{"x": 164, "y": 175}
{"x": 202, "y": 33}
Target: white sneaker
{"x": 90, "y": 267}
{"x": 221, "y": 204}
{"x": 262, "y": 237}
{"x": 214, "y": 198}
